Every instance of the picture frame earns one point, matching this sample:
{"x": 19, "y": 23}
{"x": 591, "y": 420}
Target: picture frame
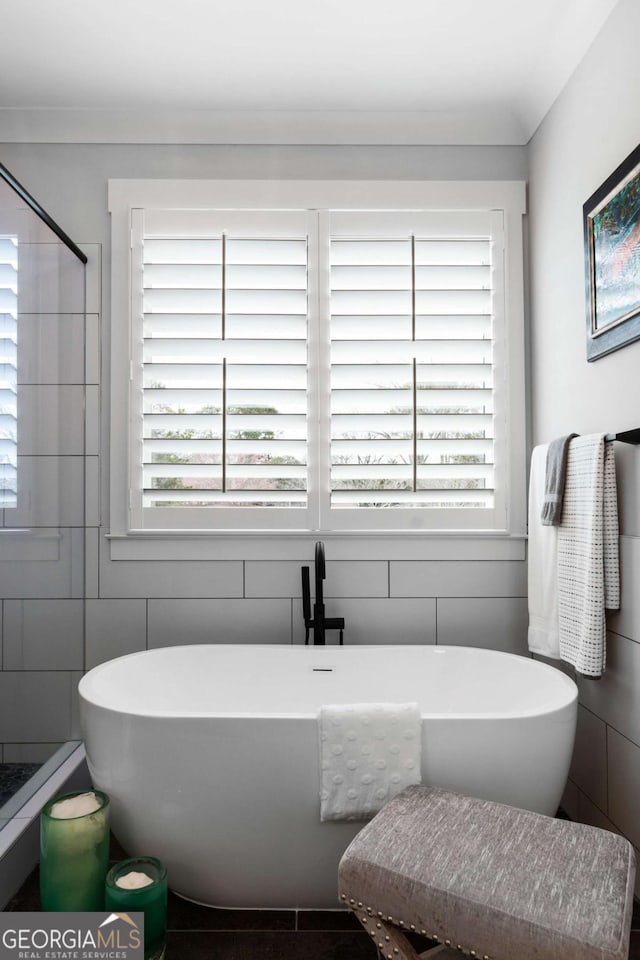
{"x": 611, "y": 219}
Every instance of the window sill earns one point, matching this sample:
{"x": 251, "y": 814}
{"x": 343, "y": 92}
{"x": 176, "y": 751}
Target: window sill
{"x": 287, "y": 545}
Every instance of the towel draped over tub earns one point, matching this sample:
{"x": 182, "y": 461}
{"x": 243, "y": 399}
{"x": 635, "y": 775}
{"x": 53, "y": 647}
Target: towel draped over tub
{"x": 369, "y": 752}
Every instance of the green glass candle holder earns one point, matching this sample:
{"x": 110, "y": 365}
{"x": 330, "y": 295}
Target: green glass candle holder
{"x": 151, "y": 900}
{"x": 74, "y": 856}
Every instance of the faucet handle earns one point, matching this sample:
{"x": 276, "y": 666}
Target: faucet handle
{"x": 306, "y": 598}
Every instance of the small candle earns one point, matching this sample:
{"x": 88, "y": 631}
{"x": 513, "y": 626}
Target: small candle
{"x": 133, "y": 881}
{"x": 74, "y": 851}
{"x": 140, "y": 884}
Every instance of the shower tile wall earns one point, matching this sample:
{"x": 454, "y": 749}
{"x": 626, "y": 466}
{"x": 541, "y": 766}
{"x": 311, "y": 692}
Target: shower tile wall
{"x": 42, "y": 565}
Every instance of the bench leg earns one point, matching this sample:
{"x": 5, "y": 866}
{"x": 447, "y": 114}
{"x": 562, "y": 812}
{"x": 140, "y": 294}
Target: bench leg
{"x": 391, "y": 942}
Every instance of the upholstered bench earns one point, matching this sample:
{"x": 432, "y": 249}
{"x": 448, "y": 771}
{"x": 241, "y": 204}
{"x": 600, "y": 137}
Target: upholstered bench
{"x": 489, "y": 880}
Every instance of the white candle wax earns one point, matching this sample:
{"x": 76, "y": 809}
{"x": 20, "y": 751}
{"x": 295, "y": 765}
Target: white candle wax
{"x": 133, "y": 881}
{"x": 72, "y": 807}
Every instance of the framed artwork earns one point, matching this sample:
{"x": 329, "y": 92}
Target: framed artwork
{"x": 611, "y": 219}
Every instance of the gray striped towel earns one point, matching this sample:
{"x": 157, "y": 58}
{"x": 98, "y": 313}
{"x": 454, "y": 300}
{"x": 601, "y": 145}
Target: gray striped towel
{"x": 588, "y": 564}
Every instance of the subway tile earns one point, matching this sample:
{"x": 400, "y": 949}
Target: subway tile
{"x": 627, "y": 620}
{"x": 43, "y": 635}
{"x": 624, "y": 785}
{"x": 628, "y": 471}
{"x": 76, "y": 536}
{"x": 51, "y": 420}
{"x": 52, "y": 279}
{"x": 497, "y": 623}
{"x": 590, "y": 814}
{"x": 614, "y": 697}
{"x": 92, "y": 348}
{"x": 463, "y": 578}
{"x": 39, "y": 563}
{"x": 93, "y": 276}
{"x": 50, "y": 493}
{"x": 51, "y": 348}
{"x": 570, "y": 800}
{"x": 283, "y": 578}
{"x": 218, "y": 621}
{"x": 92, "y": 420}
{"x": 92, "y": 557}
{"x": 114, "y": 628}
{"x": 158, "y": 578}
{"x": 92, "y": 492}
{"x": 377, "y": 620}
{"x": 35, "y": 705}
{"x": 75, "y": 729}
{"x": 589, "y": 763}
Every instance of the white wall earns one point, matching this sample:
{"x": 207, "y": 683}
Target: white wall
{"x": 455, "y": 592}
{"x": 592, "y": 127}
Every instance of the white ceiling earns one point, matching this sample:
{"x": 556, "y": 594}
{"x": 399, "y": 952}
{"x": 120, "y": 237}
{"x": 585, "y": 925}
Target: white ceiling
{"x": 425, "y": 70}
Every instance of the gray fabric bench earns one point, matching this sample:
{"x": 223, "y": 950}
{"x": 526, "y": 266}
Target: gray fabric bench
{"x": 489, "y": 880}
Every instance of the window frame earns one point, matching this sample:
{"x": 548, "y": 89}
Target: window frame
{"x": 507, "y": 197}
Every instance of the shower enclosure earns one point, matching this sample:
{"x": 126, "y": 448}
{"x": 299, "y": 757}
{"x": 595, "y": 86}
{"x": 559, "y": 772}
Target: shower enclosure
{"x": 42, "y": 493}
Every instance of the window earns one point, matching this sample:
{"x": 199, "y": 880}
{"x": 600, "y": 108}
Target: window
{"x": 8, "y": 370}
{"x": 316, "y": 365}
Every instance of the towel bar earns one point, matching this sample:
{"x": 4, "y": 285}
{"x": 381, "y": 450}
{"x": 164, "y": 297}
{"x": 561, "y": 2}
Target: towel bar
{"x": 627, "y": 436}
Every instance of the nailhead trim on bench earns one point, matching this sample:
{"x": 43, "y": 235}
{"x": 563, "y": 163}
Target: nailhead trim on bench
{"x": 401, "y": 924}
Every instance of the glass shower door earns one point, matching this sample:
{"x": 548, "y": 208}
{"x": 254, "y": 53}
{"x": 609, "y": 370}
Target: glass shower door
{"x": 42, "y": 493}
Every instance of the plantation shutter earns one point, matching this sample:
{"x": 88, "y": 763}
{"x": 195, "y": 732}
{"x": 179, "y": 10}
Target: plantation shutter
{"x": 8, "y": 370}
{"x": 414, "y": 311}
{"x": 220, "y": 371}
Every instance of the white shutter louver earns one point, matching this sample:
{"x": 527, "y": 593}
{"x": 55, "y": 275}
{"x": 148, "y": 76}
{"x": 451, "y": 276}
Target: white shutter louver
{"x": 224, "y": 371}
{"x": 8, "y": 371}
{"x": 412, "y": 421}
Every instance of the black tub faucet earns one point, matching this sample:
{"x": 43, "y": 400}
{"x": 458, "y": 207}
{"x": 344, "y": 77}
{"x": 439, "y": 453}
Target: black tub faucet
{"x": 319, "y": 624}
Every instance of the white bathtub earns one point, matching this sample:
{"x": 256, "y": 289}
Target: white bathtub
{"x": 209, "y": 753}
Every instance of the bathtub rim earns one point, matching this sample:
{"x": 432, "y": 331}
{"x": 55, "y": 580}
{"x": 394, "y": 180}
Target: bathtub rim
{"x": 546, "y": 710}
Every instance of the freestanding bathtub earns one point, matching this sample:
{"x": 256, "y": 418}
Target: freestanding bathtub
{"x": 210, "y": 753}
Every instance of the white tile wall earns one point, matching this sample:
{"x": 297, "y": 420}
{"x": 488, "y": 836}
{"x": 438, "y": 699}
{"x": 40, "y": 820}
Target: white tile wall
{"x": 464, "y": 578}
{"x": 614, "y": 697}
{"x": 40, "y": 563}
{"x": 51, "y": 348}
{"x": 497, "y": 622}
{"x": 589, "y": 764}
{"x": 218, "y": 621}
{"x": 92, "y": 370}
{"x": 51, "y": 279}
{"x": 50, "y": 492}
{"x": 627, "y": 621}
{"x": 43, "y": 635}
{"x": 35, "y": 705}
{"x": 356, "y": 578}
{"x": 128, "y": 578}
{"x": 114, "y": 628}
{"x": 51, "y": 420}
{"x": 377, "y": 620}
{"x": 624, "y": 784}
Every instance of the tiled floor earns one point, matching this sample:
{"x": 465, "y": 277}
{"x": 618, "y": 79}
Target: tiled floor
{"x": 203, "y": 933}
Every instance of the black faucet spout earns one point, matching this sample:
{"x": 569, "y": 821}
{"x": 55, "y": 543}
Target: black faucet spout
{"x": 319, "y": 623}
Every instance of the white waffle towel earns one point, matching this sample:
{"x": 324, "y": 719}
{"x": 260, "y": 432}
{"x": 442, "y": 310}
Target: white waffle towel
{"x": 588, "y": 563}
{"x": 369, "y": 752}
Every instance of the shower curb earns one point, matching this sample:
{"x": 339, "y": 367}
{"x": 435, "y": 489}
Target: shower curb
{"x": 20, "y": 836}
